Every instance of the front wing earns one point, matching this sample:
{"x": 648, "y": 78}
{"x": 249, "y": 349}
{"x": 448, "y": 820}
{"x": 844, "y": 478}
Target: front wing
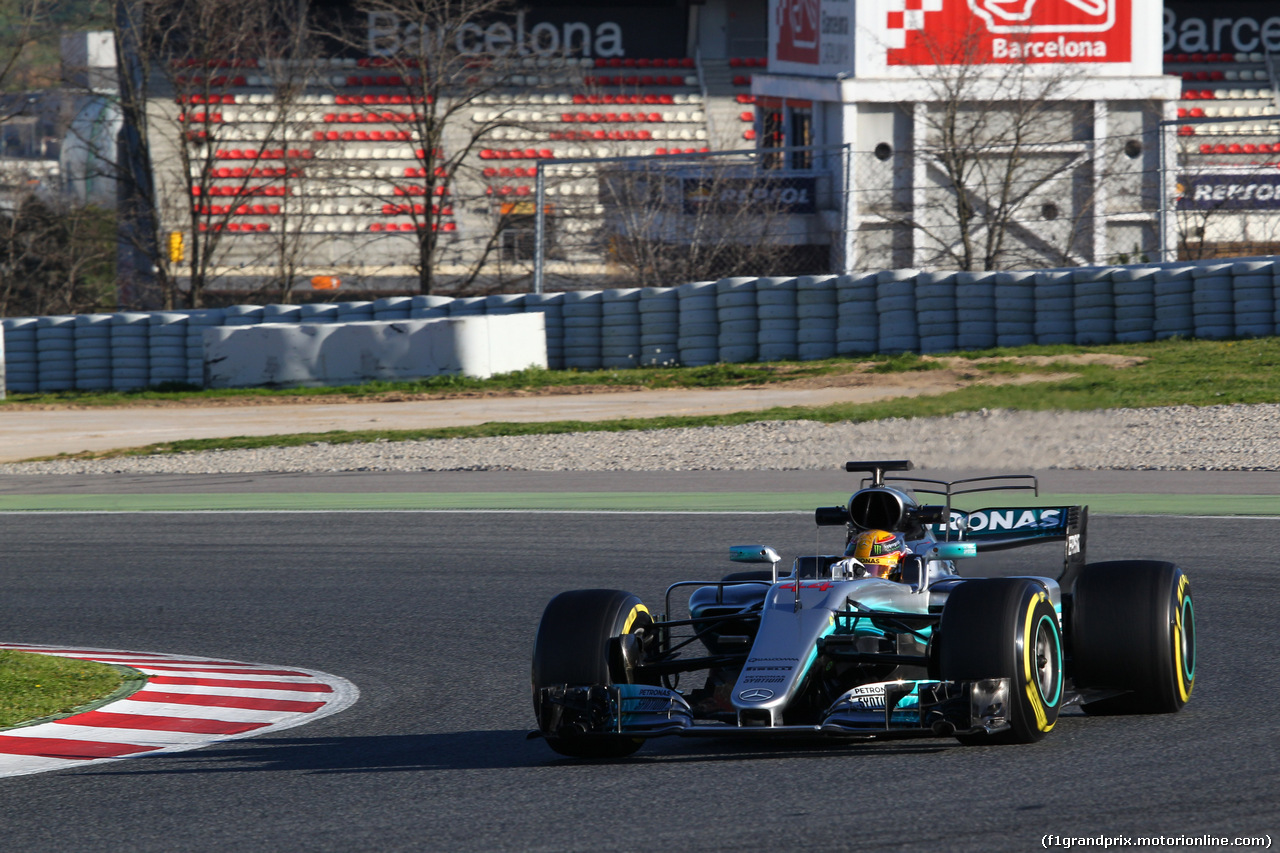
{"x": 888, "y": 709}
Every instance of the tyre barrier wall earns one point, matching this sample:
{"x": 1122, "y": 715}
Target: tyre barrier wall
{"x": 315, "y": 354}
{"x": 705, "y": 322}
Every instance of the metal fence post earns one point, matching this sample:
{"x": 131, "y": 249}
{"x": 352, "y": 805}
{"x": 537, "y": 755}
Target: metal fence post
{"x": 1162, "y": 202}
{"x": 539, "y": 225}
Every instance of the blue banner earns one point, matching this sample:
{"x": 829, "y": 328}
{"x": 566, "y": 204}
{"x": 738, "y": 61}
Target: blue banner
{"x": 1229, "y": 191}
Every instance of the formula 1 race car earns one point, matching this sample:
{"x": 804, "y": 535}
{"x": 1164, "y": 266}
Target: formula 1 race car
{"x": 886, "y": 640}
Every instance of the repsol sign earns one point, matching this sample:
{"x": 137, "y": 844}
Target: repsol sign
{"x": 1248, "y": 27}
{"x": 726, "y": 195}
{"x": 1226, "y": 191}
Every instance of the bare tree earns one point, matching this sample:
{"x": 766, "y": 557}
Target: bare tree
{"x": 996, "y": 164}
{"x": 668, "y": 220}
{"x": 54, "y": 258}
{"x": 433, "y": 53}
{"x": 23, "y": 25}
{"x": 188, "y": 165}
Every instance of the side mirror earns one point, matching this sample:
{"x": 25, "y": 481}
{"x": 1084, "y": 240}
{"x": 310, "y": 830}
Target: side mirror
{"x": 955, "y": 550}
{"x": 753, "y": 554}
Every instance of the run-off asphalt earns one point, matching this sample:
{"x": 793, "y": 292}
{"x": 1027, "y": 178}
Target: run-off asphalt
{"x": 433, "y": 616}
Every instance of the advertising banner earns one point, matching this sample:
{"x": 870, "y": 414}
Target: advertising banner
{"x": 544, "y": 31}
{"x": 727, "y": 195}
{"x": 1242, "y": 26}
{"x": 933, "y": 32}
{"x": 875, "y": 38}
{"x": 812, "y": 36}
{"x": 1227, "y": 191}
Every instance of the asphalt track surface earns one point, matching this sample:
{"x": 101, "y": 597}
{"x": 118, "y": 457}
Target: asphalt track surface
{"x": 433, "y": 616}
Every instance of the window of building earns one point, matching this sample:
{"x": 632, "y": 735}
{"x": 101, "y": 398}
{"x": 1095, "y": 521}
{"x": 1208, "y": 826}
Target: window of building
{"x": 801, "y": 136}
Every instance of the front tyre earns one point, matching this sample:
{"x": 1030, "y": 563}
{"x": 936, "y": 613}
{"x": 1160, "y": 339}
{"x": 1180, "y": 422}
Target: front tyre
{"x": 575, "y": 646}
{"x": 1005, "y": 628}
{"x": 1133, "y": 628}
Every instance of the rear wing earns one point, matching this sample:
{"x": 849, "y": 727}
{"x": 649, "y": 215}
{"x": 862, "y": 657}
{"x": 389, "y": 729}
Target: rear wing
{"x": 999, "y": 528}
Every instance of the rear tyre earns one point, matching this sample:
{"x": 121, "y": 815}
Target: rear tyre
{"x": 1133, "y": 628}
{"x": 575, "y": 646}
{"x": 1005, "y": 628}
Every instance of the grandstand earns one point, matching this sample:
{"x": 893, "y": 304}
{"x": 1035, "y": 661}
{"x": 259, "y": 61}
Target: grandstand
{"x": 340, "y": 170}
{"x": 339, "y": 166}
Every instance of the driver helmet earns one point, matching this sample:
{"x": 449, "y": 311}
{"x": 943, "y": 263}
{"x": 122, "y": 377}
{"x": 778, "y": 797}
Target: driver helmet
{"x": 879, "y": 551}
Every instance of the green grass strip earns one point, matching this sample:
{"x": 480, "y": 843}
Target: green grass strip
{"x": 1175, "y": 372}
{"x": 1121, "y": 504}
{"x": 37, "y": 688}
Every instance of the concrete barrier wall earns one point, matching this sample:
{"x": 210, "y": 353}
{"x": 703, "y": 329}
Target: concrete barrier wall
{"x": 731, "y": 320}
{"x": 314, "y": 354}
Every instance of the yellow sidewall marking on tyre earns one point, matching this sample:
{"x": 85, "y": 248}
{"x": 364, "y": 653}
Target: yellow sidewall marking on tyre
{"x": 1184, "y": 687}
{"x": 631, "y": 617}
{"x": 1032, "y": 684}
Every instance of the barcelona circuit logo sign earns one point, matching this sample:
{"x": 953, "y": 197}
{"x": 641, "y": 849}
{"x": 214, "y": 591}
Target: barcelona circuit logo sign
{"x": 798, "y": 23}
{"x": 933, "y": 32}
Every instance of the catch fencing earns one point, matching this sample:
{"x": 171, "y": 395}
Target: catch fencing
{"x": 734, "y": 320}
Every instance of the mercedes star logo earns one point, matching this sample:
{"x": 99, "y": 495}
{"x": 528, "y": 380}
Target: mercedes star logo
{"x": 756, "y": 694}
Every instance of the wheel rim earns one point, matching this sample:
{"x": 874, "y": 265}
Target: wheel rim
{"x": 1048, "y": 661}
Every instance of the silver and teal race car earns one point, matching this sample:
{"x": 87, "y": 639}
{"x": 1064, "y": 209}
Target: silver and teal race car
{"x": 837, "y": 647}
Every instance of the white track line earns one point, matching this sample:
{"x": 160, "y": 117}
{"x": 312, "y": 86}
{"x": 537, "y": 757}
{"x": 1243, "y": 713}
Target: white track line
{"x": 188, "y": 702}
